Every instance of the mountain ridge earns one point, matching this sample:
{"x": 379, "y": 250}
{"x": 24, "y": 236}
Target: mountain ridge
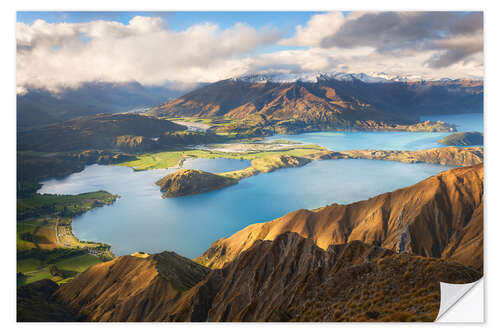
{"x": 328, "y": 104}
{"x": 287, "y": 279}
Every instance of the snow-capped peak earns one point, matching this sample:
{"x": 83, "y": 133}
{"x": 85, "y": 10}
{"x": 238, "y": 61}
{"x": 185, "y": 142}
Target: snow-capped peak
{"x": 310, "y": 77}
{"x": 279, "y": 77}
{"x": 371, "y": 77}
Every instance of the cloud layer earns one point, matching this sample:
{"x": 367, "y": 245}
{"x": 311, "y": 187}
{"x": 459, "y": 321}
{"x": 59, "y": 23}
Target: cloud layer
{"x": 63, "y": 54}
{"x": 428, "y": 44}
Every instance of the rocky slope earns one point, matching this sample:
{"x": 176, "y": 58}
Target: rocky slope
{"x": 188, "y": 182}
{"x": 324, "y": 104}
{"x": 438, "y": 217}
{"x": 287, "y": 279}
{"x": 463, "y": 139}
{"x": 138, "y": 287}
{"x": 292, "y": 279}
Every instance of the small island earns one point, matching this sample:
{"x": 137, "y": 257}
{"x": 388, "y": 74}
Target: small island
{"x": 189, "y": 182}
{"x": 463, "y": 139}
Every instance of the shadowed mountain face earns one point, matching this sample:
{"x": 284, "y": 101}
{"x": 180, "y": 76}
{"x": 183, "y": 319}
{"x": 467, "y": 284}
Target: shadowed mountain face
{"x": 35, "y": 303}
{"x": 327, "y": 103}
{"x": 287, "y": 279}
{"x": 440, "y": 217}
{"x": 120, "y": 131}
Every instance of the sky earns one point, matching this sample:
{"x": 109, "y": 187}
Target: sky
{"x": 58, "y": 50}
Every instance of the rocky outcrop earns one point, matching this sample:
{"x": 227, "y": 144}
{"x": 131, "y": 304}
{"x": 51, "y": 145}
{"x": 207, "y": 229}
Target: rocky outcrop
{"x": 445, "y": 156}
{"x": 439, "y": 217}
{"x": 463, "y": 139}
{"x": 189, "y": 182}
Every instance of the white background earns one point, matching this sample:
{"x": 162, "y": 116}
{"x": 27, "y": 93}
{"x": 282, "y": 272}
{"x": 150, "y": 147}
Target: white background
{"x": 8, "y": 156}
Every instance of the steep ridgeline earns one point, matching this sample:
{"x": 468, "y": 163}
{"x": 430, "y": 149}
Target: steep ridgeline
{"x": 287, "y": 279}
{"x": 123, "y": 132}
{"x": 326, "y": 103}
{"x": 441, "y": 217}
{"x": 137, "y": 287}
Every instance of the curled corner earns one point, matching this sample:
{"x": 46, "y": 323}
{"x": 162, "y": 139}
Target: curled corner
{"x": 452, "y": 298}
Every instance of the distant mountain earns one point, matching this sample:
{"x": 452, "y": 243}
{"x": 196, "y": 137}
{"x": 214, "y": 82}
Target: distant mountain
{"x": 441, "y": 216}
{"x": 326, "y": 101}
{"x": 40, "y": 107}
{"x": 125, "y": 132}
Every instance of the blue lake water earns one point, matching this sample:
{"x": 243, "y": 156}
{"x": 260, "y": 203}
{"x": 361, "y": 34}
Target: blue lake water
{"x": 339, "y": 141}
{"x": 140, "y": 220}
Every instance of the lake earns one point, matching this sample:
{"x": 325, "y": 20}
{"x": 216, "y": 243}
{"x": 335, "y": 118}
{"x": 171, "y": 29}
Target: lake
{"x": 140, "y": 220}
{"x": 339, "y": 141}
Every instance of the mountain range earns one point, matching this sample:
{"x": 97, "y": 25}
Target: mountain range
{"x": 326, "y": 101}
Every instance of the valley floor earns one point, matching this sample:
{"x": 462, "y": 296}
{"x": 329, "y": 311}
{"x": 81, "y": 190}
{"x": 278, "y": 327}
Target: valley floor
{"x": 46, "y": 245}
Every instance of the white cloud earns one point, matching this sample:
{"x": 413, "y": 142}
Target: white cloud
{"x": 358, "y": 60}
{"x": 67, "y": 54}
{"x": 317, "y": 28}
{"x": 450, "y": 40}
{"x": 58, "y": 55}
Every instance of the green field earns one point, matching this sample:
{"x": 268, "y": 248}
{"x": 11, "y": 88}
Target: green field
{"x": 45, "y": 239}
{"x": 170, "y": 159}
{"x": 32, "y": 270}
{"x": 62, "y": 205}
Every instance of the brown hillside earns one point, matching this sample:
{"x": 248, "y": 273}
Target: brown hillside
{"x": 287, "y": 279}
{"x": 458, "y": 156}
{"x": 292, "y": 279}
{"x": 439, "y": 217}
{"x": 131, "y": 288}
